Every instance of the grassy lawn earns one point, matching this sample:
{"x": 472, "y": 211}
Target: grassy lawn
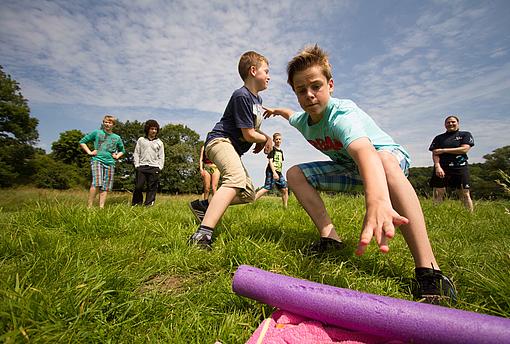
{"x": 126, "y": 275}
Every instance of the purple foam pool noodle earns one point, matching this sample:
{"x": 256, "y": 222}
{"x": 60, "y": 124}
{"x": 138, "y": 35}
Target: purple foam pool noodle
{"x": 378, "y": 315}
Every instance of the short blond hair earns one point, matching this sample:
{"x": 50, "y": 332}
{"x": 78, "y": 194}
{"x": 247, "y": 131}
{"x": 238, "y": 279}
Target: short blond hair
{"x": 249, "y": 59}
{"x": 310, "y": 56}
{"x": 110, "y": 118}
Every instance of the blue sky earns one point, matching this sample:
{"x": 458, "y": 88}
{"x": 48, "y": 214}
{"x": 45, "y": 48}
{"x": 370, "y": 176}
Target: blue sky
{"x": 406, "y": 63}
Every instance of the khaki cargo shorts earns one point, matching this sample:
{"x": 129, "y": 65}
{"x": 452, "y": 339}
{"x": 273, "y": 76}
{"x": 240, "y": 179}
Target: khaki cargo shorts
{"x": 233, "y": 173}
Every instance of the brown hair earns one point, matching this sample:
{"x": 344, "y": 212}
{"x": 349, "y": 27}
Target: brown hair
{"x": 247, "y": 60}
{"x": 452, "y": 116}
{"x": 151, "y": 123}
{"x": 276, "y": 134}
{"x": 310, "y": 56}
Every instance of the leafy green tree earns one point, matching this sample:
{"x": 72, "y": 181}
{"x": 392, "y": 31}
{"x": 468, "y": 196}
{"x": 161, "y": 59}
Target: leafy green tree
{"x": 129, "y": 131}
{"x": 495, "y": 163}
{"x": 67, "y": 149}
{"x": 499, "y": 159}
{"x": 18, "y": 133}
{"x": 54, "y": 174}
{"x": 182, "y": 151}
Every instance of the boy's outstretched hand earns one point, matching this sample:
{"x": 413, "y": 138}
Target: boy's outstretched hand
{"x": 381, "y": 223}
{"x": 285, "y": 113}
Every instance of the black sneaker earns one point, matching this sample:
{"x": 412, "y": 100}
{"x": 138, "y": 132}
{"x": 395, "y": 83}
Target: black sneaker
{"x": 434, "y": 287}
{"x": 202, "y": 238}
{"x": 325, "y": 244}
{"x": 199, "y": 208}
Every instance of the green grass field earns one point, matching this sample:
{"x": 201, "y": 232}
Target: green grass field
{"x": 125, "y": 275}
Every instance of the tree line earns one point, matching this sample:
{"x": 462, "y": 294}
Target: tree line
{"x": 66, "y": 166}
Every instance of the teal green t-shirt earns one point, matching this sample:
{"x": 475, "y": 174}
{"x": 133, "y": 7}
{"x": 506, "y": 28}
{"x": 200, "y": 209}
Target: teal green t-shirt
{"x": 343, "y": 122}
{"x": 105, "y": 144}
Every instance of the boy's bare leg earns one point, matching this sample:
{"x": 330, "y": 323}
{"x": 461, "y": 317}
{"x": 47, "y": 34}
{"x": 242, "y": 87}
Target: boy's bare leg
{"x": 215, "y": 180}
{"x": 219, "y": 203}
{"x": 285, "y": 197}
{"x": 102, "y": 198}
{"x": 207, "y": 185}
{"x": 92, "y": 195}
{"x": 466, "y": 199}
{"x": 311, "y": 201}
{"x": 438, "y": 195}
{"x": 406, "y": 203}
{"x": 261, "y": 193}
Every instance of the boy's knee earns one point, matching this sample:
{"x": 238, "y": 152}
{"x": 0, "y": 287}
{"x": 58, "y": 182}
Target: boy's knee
{"x": 294, "y": 174}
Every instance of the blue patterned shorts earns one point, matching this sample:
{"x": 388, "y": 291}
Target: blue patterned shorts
{"x": 332, "y": 176}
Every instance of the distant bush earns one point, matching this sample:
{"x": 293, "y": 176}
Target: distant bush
{"x": 53, "y": 174}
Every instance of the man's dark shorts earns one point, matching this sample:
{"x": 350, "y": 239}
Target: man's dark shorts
{"x": 455, "y": 178}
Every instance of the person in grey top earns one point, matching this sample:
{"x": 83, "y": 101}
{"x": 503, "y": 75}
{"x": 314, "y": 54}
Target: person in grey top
{"x": 149, "y": 159}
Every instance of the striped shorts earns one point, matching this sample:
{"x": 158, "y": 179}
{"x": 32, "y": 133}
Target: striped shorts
{"x": 333, "y": 176}
{"x": 102, "y": 175}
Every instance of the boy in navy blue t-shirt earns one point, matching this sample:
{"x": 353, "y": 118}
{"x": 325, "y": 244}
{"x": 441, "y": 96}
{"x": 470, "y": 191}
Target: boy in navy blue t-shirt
{"x": 230, "y": 138}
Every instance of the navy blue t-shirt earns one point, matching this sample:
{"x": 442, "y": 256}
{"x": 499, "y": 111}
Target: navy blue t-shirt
{"x": 452, "y": 140}
{"x": 241, "y": 112}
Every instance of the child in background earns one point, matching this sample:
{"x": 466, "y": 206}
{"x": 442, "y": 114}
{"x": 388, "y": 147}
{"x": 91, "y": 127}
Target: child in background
{"x": 108, "y": 148}
{"x": 230, "y": 138}
{"x": 210, "y": 174}
{"x": 274, "y": 174}
{"x": 149, "y": 159}
{"x": 362, "y": 157}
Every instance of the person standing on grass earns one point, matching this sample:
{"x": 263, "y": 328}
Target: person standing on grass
{"x": 274, "y": 174}
{"x": 149, "y": 159}
{"x": 449, "y": 154}
{"x": 230, "y": 138}
{"x": 210, "y": 174}
{"x": 363, "y": 157}
{"x": 108, "y": 148}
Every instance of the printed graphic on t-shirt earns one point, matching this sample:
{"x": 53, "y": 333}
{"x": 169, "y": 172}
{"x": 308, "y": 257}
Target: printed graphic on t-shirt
{"x": 257, "y": 112}
{"x": 327, "y": 144}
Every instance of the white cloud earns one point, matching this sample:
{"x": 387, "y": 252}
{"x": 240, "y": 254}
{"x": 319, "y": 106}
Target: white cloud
{"x": 127, "y": 56}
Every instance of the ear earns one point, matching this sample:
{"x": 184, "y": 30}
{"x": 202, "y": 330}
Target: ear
{"x": 331, "y": 86}
{"x": 253, "y": 70}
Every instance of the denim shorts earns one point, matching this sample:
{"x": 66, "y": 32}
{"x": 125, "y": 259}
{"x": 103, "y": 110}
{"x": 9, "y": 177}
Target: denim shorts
{"x": 270, "y": 182}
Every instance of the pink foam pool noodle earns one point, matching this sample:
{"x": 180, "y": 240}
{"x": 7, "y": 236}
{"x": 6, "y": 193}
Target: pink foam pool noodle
{"x": 378, "y": 315}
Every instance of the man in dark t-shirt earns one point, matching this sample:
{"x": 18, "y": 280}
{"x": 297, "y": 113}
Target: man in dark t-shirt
{"x": 451, "y": 162}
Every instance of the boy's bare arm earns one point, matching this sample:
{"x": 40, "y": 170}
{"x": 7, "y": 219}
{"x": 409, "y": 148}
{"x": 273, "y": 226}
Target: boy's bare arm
{"x": 380, "y": 217}
{"x": 271, "y": 165}
{"x": 262, "y": 140}
{"x": 87, "y": 149}
{"x": 283, "y": 112}
{"x": 253, "y": 136}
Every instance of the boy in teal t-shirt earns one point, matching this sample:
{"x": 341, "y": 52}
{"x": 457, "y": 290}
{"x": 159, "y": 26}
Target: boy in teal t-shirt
{"x": 363, "y": 157}
{"x": 108, "y": 148}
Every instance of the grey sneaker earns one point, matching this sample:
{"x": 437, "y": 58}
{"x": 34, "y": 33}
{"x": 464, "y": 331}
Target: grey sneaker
{"x": 202, "y": 238}
{"x": 434, "y": 287}
{"x": 199, "y": 208}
